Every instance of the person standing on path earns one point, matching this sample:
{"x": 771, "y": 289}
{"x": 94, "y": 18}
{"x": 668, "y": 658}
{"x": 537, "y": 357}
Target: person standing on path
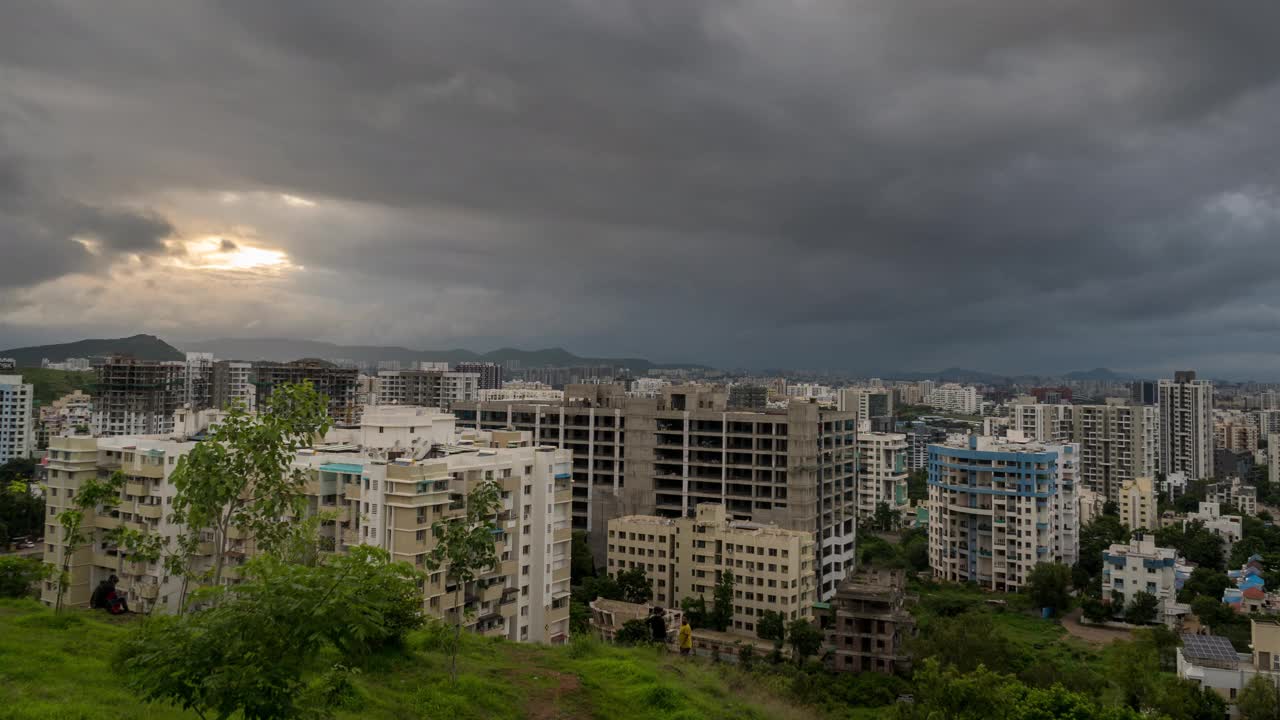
{"x": 685, "y": 638}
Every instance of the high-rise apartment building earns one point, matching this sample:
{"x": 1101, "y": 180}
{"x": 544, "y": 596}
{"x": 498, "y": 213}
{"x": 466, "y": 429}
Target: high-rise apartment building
{"x": 17, "y": 426}
{"x": 1235, "y": 430}
{"x": 882, "y": 472}
{"x": 1186, "y": 425}
{"x": 490, "y": 374}
{"x": 866, "y": 402}
{"x": 197, "y": 380}
{"x": 1145, "y": 392}
{"x": 1000, "y": 506}
{"x": 951, "y": 397}
{"x": 138, "y": 397}
{"x": 795, "y": 468}
{"x": 427, "y": 388}
{"x": 337, "y": 384}
{"x": 684, "y": 558}
{"x": 1045, "y": 423}
{"x": 1118, "y": 442}
{"x": 233, "y": 385}
{"x": 416, "y": 470}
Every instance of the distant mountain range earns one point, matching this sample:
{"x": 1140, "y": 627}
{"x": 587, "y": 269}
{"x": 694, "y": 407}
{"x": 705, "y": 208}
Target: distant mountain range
{"x": 965, "y": 376}
{"x": 143, "y": 347}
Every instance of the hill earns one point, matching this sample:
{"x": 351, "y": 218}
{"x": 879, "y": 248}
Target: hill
{"x": 53, "y": 384}
{"x": 284, "y": 349}
{"x": 62, "y": 668}
{"x": 143, "y": 347}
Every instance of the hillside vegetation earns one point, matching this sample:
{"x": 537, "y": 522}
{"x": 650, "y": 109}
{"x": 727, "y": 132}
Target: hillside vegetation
{"x": 143, "y": 347}
{"x": 55, "y": 668}
{"x": 53, "y": 384}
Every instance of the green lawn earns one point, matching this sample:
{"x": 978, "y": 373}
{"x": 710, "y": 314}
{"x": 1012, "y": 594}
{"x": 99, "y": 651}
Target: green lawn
{"x": 60, "y": 669}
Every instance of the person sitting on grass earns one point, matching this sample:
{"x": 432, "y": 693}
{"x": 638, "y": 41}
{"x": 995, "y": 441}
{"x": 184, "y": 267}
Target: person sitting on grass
{"x": 115, "y": 601}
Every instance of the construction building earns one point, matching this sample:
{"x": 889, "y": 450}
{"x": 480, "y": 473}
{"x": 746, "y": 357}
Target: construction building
{"x": 233, "y": 385}
{"x": 746, "y": 396}
{"x": 337, "y": 384}
{"x": 137, "y": 397}
{"x": 795, "y": 467}
{"x": 867, "y": 624}
{"x": 427, "y": 388}
{"x": 686, "y": 557}
{"x": 1000, "y": 506}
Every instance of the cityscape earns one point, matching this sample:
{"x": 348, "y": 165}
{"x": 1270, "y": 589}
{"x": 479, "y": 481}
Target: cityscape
{"x": 621, "y": 359}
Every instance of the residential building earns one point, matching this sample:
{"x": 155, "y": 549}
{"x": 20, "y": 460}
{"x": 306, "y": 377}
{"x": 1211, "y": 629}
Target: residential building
{"x": 337, "y": 384}
{"x": 868, "y": 624}
{"x": 773, "y": 568}
{"x": 1044, "y": 423}
{"x": 1140, "y": 566}
{"x": 71, "y": 364}
{"x": 1232, "y": 463}
{"x": 960, "y": 399}
{"x": 1234, "y": 492}
{"x": 427, "y": 388}
{"x": 519, "y": 394}
{"x": 1118, "y": 445}
{"x": 197, "y": 380}
{"x": 138, "y": 397}
{"x": 794, "y": 467}
{"x": 1145, "y": 392}
{"x": 1000, "y": 506}
{"x": 882, "y": 472}
{"x": 1228, "y": 527}
{"x": 1210, "y": 661}
{"x": 1268, "y": 422}
{"x": 9, "y": 364}
{"x": 919, "y": 438}
{"x": 1235, "y": 430}
{"x": 1186, "y": 425}
{"x": 866, "y": 402}
{"x": 490, "y": 374}
{"x": 17, "y": 426}
{"x": 233, "y": 385}
{"x": 1138, "y": 504}
{"x": 1273, "y": 459}
{"x": 70, "y": 414}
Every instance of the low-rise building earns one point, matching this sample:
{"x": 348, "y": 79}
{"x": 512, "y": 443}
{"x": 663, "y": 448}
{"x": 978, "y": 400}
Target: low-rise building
{"x": 867, "y": 625}
{"x": 1140, "y": 567}
{"x": 772, "y": 568}
{"x": 1212, "y": 662}
{"x": 1234, "y": 492}
{"x": 1138, "y": 504}
{"x": 1228, "y": 527}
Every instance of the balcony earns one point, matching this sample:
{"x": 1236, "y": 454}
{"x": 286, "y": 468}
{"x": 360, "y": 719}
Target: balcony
{"x": 137, "y": 489}
{"x": 352, "y": 492}
{"x": 145, "y": 470}
{"x": 562, "y": 535}
{"x": 152, "y": 512}
{"x": 350, "y": 537}
{"x": 106, "y": 522}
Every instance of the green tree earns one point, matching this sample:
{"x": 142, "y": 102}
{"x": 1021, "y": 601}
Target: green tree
{"x": 1111, "y": 508}
{"x": 633, "y": 632}
{"x": 465, "y": 549}
{"x": 1142, "y": 608}
{"x": 918, "y": 485}
{"x": 1204, "y": 582}
{"x": 1134, "y": 668}
{"x": 964, "y": 641}
{"x": 1049, "y": 585}
{"x": 242, "y": 477}
{"x": 581, "y": 565}
{"x": 722, "y": 605}
{"x": 260, "y": 651}
{"x": 634, "y": 585}
{"x": 884, "y": 519}
{"x": 1095, "y": 610}
{"x": 772, "y": 626}
{"x": 19, "y": 574}
{"x": 695, "y": 611}
{"x": 1259, "y": 700}
{"x": 804, "y": 638}
{"x": 1211, "y": 611}
{"x": 92, "y": 495}
{"x": 21, "y": 513}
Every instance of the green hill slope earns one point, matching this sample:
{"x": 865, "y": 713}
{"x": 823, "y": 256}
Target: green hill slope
{"x": 61, "y": 668}
{"x": 143, "y": 347}
{"x": 53, "y": 384}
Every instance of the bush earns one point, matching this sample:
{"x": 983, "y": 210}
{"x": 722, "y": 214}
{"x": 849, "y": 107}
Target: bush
{"x": 633, "y": 632}
{"x": 19, "y": 575}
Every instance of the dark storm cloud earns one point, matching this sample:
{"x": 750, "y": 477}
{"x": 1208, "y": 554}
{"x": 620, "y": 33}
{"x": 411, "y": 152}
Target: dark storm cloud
{"x": 1019, "y": 186}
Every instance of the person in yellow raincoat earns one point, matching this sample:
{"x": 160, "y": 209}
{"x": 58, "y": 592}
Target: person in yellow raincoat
{"x": 685, "y": 638}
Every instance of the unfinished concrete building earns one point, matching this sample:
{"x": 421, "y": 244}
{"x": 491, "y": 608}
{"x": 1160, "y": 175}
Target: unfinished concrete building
{"x": 868, "y": 624}
{"x": 337, "y": 384}
{"x": 795, "y": 468}
{"x": 137, "y": 397}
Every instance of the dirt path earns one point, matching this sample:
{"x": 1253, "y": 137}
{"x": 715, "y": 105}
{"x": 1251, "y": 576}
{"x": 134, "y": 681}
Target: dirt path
{"x": 1092, "y": 634}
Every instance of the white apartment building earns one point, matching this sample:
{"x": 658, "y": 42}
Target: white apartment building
{"x": 961, "y": 399}
{"x": 882, "y": 472}
{"x": 1228, "y": 527}
{"x": 867, "y": 402}
{"x": 233, "y": 385}
{"x": 1234, "y": 492}
{"x": 1118, "y": 442}
{"x": 1138, "y": 504}
{"x": 1186, "y": 425}
{"x": 428, "y": 388}
{"x": 1000, "y": 506}
{"x": 1044, "y": 423}
{"x": 70, "y": 414}
{"x": 1267, "y": 421}
{"x": 685, "y": 558}
{"x": 1140, "y": 566}
{"x": 518, "y": 394}
{"x": 17, "y": 429}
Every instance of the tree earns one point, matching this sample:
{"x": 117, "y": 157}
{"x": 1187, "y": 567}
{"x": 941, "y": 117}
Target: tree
{"x": 1111, "y": 508}
{"x": 722, "y": 606}
{"x": 1204, "y": 582}
{"x": 21, "y": 513}
{"x": 965, "y": 641}
{"x": 260, "y": 651}
{"x": 1049, "y": 585}
{"x": 581, "y": 565}
{"x": 1142, "y": 609}
{"x": 465, "y": 549}
{"x": 918, "y": 485}
{"x": 242, "y": 476}
{"x": 92, "y": 494}
{"x": 633, "y": 632}
{"x": 634, "y": 585}
{"x": 695, "y": 611}
{"x": 1259, "y": 700}
{"x": 772, "y": 626}
{"x": 19, "y": 574}
{"x": 1095, "y": 610}
{"x": 1134, "y": 668}
{"x": 804, "y": 638}
{"x": 884, "y": 518}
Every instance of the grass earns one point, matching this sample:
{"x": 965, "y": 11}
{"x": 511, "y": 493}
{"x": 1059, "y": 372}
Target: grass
{"x": 59, "y": 668}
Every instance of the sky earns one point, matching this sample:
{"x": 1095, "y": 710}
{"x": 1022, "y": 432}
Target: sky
{"x": 826, "y": 184}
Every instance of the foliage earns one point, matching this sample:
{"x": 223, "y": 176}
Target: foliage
{"x": 965, "y": 642}
{"x": 1095, "y": 610}
{"x": 885, "y": 518}
{"x": 634, "y": 585}
{"x": 1259, "y": 700}
{"x": 772, "y": 626}
{"x": 581, "y": 565}
{"x": 253, "y": 651}
{"x": 722, "y": 606}
{"x": 19, "y": 574}
{"x": 1204, "y": 582}
{"x": 805, "y": 639}
{"x": 695, "y": 611}
{"x": 918, "y": 485}
{"x": 465, "y": 547}
{"x": 633, "y": 632}
{"x": 1193, "y": 542}
{"x": 21, "y": 513}
{"x": 242, "y": 476}
{"x": 1049, "y": 585}
{"x": 1142, "y": 608}
{"x": 93, "y": 493}
{"x": 1095, "y": 537}
{"x": 49, "y": 385}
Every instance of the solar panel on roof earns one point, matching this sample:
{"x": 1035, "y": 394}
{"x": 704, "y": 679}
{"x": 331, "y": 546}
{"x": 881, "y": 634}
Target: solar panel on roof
{"x": 1208, "y": 647}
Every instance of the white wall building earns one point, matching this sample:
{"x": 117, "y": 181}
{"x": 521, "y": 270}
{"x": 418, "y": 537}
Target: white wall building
{"x": 17, "y": 426}
{"x": 1186, "y": 426}
{"x": 516, "y": 394}
{"x": 882, "y": 472}
{"x": 961, "y": 399}
{"x": 1228, "y": 527}
{"x": 1045, "y": 423}
{"x": 1140, "y": 566}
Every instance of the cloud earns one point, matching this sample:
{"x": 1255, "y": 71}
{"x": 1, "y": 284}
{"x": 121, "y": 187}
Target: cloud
{"x": 814, "y": 183}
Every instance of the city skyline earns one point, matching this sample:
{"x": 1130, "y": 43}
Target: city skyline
{"x": 821, "y": 184}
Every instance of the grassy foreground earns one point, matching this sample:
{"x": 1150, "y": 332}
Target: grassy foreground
{"x": 61, "y": 669}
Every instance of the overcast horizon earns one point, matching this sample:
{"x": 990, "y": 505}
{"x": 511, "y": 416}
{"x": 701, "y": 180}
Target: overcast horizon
{"x": 827, "y": 184}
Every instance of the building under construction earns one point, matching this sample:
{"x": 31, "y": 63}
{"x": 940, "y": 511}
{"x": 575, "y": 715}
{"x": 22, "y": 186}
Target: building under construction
{"x": 336, "y": 383}
{"x": 137, "y": 397}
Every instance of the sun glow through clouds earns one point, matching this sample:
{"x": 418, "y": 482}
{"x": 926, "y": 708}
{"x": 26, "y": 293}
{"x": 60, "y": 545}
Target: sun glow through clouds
{"x": 219, "y": 253}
